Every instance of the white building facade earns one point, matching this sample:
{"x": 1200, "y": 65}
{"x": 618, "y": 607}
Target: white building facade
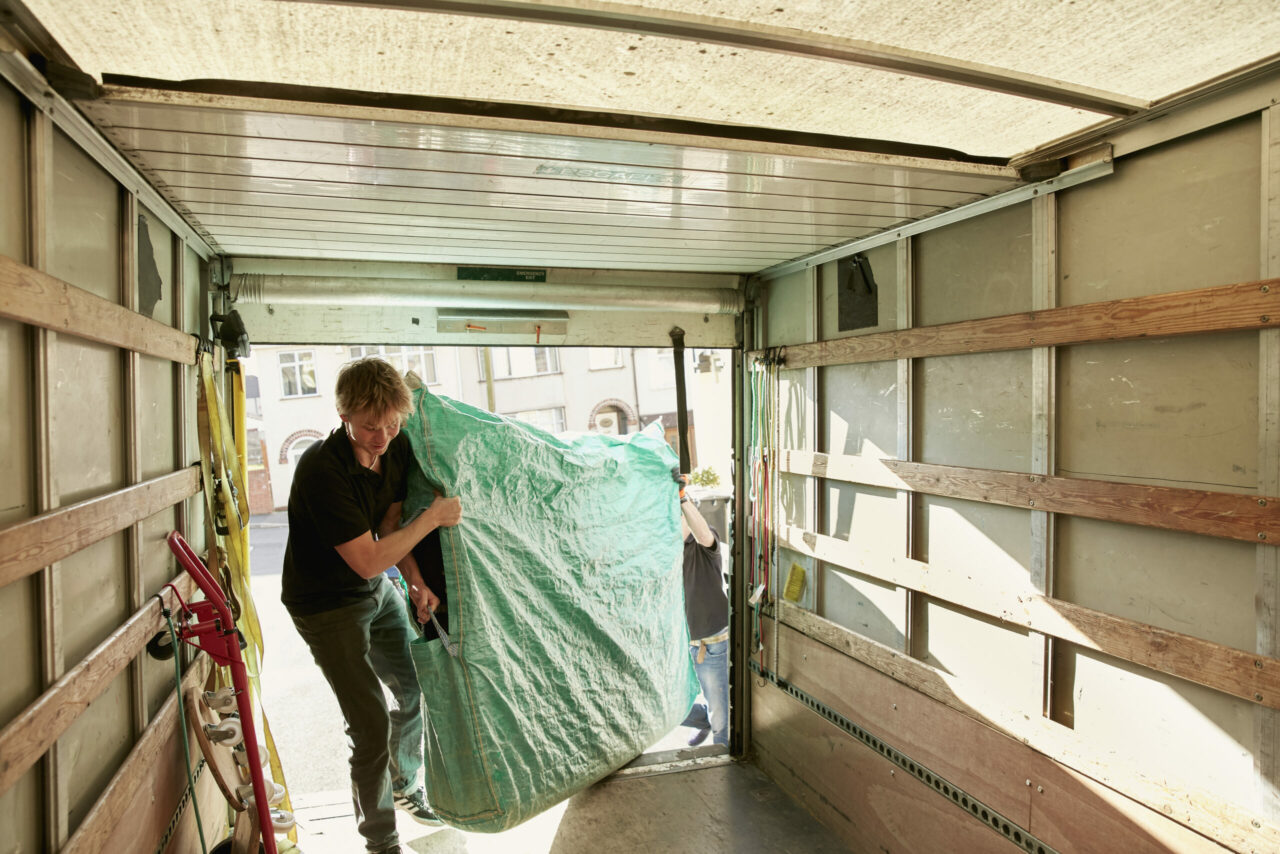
{"x": 290, "y": 401}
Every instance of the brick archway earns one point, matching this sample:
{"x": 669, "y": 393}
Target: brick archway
{"x": 627, "y": 410}
{"x": 293, "y": 438}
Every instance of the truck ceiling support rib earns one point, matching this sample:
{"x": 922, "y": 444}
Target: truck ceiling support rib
{"x": 756, "y": 36}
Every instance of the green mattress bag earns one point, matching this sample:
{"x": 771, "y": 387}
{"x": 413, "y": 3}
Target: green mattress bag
{"x": 568, "y": 648}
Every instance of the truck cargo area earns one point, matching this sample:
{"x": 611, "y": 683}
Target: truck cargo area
{"x": 994, "y": 289}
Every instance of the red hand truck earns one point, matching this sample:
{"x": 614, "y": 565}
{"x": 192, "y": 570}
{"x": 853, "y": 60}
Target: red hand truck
{"x": 208, "y": 626}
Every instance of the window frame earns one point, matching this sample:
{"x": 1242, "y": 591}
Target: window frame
{"x": 296, "y": 367}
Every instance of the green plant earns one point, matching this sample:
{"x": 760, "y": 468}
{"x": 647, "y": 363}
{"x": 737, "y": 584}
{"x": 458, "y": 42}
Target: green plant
{"x": 705, "y": 476}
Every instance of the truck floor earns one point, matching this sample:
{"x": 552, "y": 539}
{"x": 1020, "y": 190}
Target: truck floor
{"x": 724, "y": 809}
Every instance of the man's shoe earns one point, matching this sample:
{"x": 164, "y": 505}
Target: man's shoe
{"x": 699, "y": 737}
{"x": 415, "y": 804}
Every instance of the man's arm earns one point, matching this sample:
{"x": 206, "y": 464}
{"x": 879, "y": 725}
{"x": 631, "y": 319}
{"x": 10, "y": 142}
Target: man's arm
{"x": 368, "y": 557}
{"x": 697, "y": 525}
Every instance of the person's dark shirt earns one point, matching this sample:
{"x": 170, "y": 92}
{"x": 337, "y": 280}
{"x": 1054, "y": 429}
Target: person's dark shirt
{"x": 705, "y": 605}
{"x": 333, "y": 500}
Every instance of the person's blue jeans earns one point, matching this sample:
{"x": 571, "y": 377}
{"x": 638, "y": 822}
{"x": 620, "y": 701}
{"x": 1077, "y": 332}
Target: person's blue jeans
{"x": 358, "y": 648}
{"x": 713, "y": 676}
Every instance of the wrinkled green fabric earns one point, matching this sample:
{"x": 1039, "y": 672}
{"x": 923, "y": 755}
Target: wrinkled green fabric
{"x": 565, "y": 595}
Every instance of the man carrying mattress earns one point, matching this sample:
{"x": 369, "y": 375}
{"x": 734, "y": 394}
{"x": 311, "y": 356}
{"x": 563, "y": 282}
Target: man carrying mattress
{"x": 344, "y": 533}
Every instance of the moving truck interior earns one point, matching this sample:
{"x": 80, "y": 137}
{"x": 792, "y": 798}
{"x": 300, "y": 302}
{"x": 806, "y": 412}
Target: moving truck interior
{"x": 1000, "y": 287}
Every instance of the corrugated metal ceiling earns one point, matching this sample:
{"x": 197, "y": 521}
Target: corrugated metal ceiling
{"x": 410, "y": 180}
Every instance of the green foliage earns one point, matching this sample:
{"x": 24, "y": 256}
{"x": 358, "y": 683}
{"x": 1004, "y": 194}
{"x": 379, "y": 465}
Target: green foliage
{"x": 705, "y": 476}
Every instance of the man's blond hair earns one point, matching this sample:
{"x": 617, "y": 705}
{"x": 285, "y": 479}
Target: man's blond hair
{"x": 372, "y": 385}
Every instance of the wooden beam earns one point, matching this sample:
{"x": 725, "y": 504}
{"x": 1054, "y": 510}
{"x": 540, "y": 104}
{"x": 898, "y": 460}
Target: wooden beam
{"x": 30, "y": 735}
{"x": 1239, "y": 673}
{"x": 1248, "y": 305}
{"x": 113, "y": 806}
{"x": 33, "y": 297}
{"x": 1236, "y": 516}
{"x": 1014, "y": 766}
{"x": 752, "y": 35}
{"x": 28, "y": 545}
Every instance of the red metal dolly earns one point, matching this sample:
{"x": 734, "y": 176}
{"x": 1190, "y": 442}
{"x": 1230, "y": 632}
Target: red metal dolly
{"x": 209, "y": 626}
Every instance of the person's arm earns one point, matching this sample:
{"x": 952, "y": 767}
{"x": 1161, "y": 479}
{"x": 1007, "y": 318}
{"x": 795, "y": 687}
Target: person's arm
{"x": 368, "y": 557}
{"x": 424, "y": 598}
{"x": 697, "y": 525}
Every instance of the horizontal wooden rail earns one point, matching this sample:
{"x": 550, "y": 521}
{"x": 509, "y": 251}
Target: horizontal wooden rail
{"x": 1232, "y": 671}
{"x": 1249, "y": 305}
{"x": 1202, "y": 810}
{"x": 42, "y": 540}
{"x": 30, "y": 735}
{"x": 30, "y": 296}
{"x": 140, "y": 765}
{"x": 1236, "y": 516}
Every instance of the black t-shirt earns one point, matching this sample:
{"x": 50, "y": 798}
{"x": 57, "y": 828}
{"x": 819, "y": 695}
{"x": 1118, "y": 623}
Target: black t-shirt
{"x": 333, "y": 500}
{"x": 705, "y": 605}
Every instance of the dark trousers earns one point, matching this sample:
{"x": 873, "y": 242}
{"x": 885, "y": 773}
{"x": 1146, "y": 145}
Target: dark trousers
{"x": 359, "y": 648}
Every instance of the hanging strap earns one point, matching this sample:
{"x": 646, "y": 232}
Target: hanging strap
{"x": 450, "y": 646}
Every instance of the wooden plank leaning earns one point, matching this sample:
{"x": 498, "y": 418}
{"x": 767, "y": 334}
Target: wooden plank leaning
{"x": 33, "y": 297}
{"x": 38, "y": 727}
{"x": 37, "y": 542}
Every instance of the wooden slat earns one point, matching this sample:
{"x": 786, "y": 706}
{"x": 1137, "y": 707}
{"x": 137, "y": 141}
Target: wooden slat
{"x": 39, "y": 299}
{"x": 28, "y": 545}
{"x": 1251, "y": 518}
{"x": 1232, "y": 671}
{"x": 38, "y": 727}
{"x": 922, "y": 712}
{"x": 1249, "y": 305}
{"x": 139, "y": 766}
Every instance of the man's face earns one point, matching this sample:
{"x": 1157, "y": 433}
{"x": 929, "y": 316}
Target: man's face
{"x": 372, "y": 432}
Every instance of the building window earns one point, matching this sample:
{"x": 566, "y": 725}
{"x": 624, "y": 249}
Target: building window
{"x": 420, "y": 360}
{"x": 511, "y": 362}
{"x": 297, "y": 373}
{"x": 252, "y": 397}
{"x": 551, "y": 420}
{"x": 254, "y": 444}
{"x": 603, "y": 358}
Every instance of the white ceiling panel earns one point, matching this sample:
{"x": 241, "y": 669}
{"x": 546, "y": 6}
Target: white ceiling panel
{"x": 349, "y": 131}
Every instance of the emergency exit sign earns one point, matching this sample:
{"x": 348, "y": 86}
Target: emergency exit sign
{"x": 500, "y": 274}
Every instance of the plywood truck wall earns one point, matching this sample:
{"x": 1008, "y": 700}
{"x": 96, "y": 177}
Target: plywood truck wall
{"x": 97, "y": 438}
{"x": 1030, "y": 609}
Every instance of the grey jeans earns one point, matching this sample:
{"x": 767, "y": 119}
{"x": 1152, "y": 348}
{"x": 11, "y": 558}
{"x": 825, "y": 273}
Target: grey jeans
{"x": 358, "y": 648}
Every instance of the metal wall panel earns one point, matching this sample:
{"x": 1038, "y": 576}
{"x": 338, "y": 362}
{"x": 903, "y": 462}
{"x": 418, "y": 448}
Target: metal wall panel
{"x": 988, "y": 657}
{"x": 84, "y": 225}
{"x": 787, "y": 306}
{"x": 1175, "y": 731}
{"x": 1171, "y": 412}
{"x": 97, "y": 743}
{"x": 156, "y": 416}
{"x": 975, "y": 410}
{"x": 1177, "y": 412}
{"x": 15, "y": 364}
{"x": 1180, "y": 216}
{"x": 13, "y": 184}
{"x": 980, "y": 267}
{"x": 884, "y": 267}
{"x": 860, "y": 408}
